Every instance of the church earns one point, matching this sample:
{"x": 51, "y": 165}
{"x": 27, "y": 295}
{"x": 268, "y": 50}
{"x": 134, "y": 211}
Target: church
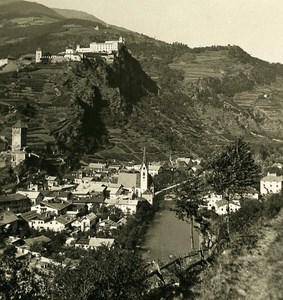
{"x": 138, "y": 182}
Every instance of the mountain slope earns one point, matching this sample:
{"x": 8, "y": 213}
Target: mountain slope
{"x": 206, "y": 96}
{"x": 25, "y": 9}
{"x": 75, "y": 14}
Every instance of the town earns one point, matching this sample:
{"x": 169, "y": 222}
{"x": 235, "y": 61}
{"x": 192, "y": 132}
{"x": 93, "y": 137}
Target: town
{"x": 92, "y": 205}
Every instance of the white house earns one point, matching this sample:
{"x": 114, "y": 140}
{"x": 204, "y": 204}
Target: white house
{"x": 212, "y": 200}
{"x": 57, "y": 224}
{"x": 34, "y": 196}
{"x": 221, "y": 207}
{"x": 154, "y": 168}
{"x": 94, "y": 243}
{"x": 126, "y": 205}
{"x": 54, "y": 208}
{"x": 106, "y": 225}
{"x": 271, "y": 184}
{"x": 85, "y": 222}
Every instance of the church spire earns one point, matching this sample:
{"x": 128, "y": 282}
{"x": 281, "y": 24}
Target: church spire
{"x": 144, "y": 161}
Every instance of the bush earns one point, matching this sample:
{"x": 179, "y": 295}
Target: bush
{"x": 272, "y": 205}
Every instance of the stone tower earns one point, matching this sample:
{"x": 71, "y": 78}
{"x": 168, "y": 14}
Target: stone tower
{"x": 38, "y": 55}
{"x": 19, "y": 135}
{"x": 144, "y": 173}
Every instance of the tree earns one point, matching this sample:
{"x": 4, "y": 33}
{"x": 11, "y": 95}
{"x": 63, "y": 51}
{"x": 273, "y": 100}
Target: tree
{"x": 232, "y": 171}
{"x": 103, "y": 274}
{"x": 190, "y": 199}
{"x": 18, "y": 281}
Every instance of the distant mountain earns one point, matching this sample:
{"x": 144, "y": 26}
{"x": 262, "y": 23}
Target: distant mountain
{"x": 75, "y": 14}
{"x": 26, "y": 9}
{"x": 4, "y": 2}
{"x": 206, "y": 96}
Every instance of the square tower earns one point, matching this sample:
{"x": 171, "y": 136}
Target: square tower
{"x": 19, "y": 135}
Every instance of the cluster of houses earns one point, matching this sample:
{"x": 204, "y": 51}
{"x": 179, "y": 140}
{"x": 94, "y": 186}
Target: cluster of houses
{"x": 270, "y": 184}
{"x": 72, "y": 203}
{"x": 108, "y": 49}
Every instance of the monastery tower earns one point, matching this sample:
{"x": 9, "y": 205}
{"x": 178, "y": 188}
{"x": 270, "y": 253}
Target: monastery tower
{"x": 38, "y": 55}
{"x": 19, "y": 135}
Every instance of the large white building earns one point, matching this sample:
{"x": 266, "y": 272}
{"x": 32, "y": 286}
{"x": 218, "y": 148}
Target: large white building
{"x": 271, "y": 184}
{"x": 106, "y": 47}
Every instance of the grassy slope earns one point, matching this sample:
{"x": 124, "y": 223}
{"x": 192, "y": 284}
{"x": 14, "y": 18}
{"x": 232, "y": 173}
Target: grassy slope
{"x": 74, "y": 14}
{"x": 256, "y": 274}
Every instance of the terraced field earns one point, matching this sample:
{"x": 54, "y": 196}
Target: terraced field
{"x": 267, "y": 102}
{"x": 206, "y": 64}
{"x": 28, "y": 88}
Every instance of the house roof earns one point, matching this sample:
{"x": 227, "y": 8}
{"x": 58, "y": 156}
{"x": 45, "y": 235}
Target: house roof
{"x": 272, "y": 178}
{"x": 54, "y": 194}
{"x": 7, "y": 218}
{"x": 20, "y": 124}
{"x": 64, "y": 220}
{"x": 51, "y": 178}
{"x": 251, "y": 190}
{"x": 225, "y": 202}
{"x": 123, "y": 221}
{"x": 97, "y": 242}
{"x": 109, "y": 222}
{"x": 91, "y": 216}
{"x": 32, "y": 215}
{"x": 129, "y": 179}
{"x": 56, "y": 205}
{"x": 121, "y": 202}
{"x": 94, "y": 199}
{"x": 12, "y": 197}
{"x": 30, "y": 194}
{"x": 39, "y": 239}
{"x": 147, "y": 192}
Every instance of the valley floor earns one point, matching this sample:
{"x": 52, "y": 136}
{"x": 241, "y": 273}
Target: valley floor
{"x": 255, "y": 275}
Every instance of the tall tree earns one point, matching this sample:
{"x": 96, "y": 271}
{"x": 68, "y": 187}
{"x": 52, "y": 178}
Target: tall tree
{"x": 19, "y": 281}
{"x": 190, "y": 200}
{"x": 232, "y": 171}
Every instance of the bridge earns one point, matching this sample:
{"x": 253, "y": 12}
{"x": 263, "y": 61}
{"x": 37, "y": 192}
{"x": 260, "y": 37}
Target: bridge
{"x": 169, "y": 188}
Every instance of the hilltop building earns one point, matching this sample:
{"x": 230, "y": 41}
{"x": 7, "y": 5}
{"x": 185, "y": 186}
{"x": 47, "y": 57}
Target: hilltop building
{"x": 77, "y": 54}
{"x": 106, "y": 47}
{"x": 70, "y": 54}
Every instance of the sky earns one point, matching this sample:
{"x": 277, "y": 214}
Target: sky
{"x": 254, "y": 25}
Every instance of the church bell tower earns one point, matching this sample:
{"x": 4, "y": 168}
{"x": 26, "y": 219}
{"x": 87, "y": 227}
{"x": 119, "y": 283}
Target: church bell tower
{"x": 144, "y": 173}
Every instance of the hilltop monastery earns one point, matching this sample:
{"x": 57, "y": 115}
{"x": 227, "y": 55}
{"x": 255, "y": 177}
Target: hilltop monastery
{"x": 77, "y": 54}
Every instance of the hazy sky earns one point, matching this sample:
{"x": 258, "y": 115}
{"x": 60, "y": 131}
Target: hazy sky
{"x": 255, "y": 25}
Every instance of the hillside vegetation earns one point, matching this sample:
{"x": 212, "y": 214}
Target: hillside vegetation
{"x": 190, "y": 100}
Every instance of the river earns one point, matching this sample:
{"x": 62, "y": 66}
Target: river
{"x": 168, "y": 236}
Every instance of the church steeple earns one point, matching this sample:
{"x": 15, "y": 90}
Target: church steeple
{"x": 144, "y": 160}
{"x": 144, "y": 173}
